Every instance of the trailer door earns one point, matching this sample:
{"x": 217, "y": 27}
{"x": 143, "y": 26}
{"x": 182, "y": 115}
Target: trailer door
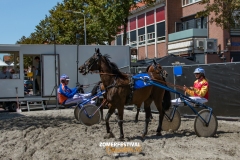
{"x": 50, "y": 74}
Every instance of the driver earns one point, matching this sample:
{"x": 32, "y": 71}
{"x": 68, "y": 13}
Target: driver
{"x": 70, "y": 96}
{"x": 200, "y": 86}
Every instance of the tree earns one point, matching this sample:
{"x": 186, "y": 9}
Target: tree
{"x": 225, "y": 12}
{"x": 103, "y": 19}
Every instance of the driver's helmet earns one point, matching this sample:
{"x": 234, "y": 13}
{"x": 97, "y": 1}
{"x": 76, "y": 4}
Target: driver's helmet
{"x": 64, "y": 77}
{"x": 199, "y": 70}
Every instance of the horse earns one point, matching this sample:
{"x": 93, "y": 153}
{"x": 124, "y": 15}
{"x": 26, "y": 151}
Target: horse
{"x": 154, "y": 67}
{"x": 157, "y": 68}
{"x": 119, "y": 92}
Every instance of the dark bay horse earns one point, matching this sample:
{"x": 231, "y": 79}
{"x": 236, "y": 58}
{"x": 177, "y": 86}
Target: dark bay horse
{"x": 118, "y": 91}
{"x": 154, "y": 67}
{"x": 166, "y": 103}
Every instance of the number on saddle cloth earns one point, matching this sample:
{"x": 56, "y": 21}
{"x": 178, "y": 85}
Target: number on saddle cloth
{"x": 138, "y": 80}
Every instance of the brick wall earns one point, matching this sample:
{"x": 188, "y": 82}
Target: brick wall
{"x": 214, "y": 58}
{"x": 173, "y": 14}
{"x": 141, "y": 53}
{"x": 191, "y": 9}
{"x": 151, "y": 51}
{"x": 161, "y": 50}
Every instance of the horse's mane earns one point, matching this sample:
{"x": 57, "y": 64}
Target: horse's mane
{"x": 114, "y": 67}
{"x": 148, "y": 68}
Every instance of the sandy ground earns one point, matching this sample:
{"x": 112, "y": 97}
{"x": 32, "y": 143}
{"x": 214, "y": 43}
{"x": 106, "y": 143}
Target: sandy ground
{"x": 55, "y": 134}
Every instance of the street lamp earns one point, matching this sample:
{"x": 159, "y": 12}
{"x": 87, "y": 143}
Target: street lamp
{"x": 85, "y": 35}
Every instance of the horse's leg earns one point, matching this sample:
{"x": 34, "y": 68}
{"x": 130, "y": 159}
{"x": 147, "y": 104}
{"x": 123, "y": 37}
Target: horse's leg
{"x": 101, "y": 112}
{"x": 137, "y": 114}
{"x": 161, "y": 111}
{"x": 104, "y": 102}
{"x": 120, "y": 121}
{"x": 108, "y": 115}
{"x": 147, "y": 115}
{"x": 151, "y": 116}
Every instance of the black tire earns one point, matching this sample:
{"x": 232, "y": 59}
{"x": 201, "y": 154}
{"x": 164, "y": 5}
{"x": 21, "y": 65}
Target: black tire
{"x": 12, "y": 107}
{"x": 173, "y": 125}
{"x": 200, "y": 127}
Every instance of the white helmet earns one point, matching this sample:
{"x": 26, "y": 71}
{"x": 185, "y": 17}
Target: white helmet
{"x": 199, "y": 70}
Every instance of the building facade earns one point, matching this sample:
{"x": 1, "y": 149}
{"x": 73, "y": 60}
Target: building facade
{"x": 170, "y": 27}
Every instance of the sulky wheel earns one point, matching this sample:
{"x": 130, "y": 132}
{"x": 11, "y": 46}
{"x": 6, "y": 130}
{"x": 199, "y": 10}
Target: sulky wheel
{"x": 201, "y": 129}
{"x": 76, "y": 111}
{"x": 88, "y": 110}
{"x": 171, "y": 125}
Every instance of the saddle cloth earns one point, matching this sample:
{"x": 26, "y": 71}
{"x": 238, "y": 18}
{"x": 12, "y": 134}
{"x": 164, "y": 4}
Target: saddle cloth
{"x": 140, "y": 83}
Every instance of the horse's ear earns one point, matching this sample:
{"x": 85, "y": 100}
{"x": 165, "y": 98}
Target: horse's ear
{"x": 154, "y": 61}
{"x": 98, "y": 52}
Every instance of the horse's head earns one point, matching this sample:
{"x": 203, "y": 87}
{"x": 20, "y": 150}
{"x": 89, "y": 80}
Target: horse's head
{"x": 157, "y": 68}
{"x": 91, "y": 64}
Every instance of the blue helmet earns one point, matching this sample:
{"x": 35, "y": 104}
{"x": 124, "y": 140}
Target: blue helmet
{"x": 199, "y": 70}
{"x": 64, "y": 77}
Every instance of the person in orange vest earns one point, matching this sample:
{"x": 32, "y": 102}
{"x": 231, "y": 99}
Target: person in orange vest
{"x": 200, "y": 87}
{"x": 70, "y": 96}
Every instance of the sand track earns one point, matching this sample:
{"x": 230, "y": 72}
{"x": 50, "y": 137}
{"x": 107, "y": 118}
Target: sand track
{"x": 55, "y": 134}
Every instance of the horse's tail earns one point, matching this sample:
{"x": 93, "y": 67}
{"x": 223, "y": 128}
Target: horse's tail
{"x": 166, "y": 100}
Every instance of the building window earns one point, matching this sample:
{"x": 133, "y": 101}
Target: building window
{"x": 151, "y": 37}
{"x": 133, "y": 36}
{"x": 187, "y": 2}
{"x": 141, "y": 39}
{"x": 10, "y": 68}
{"x": 161, "y": 31}
{"x": 205, "y": 23}
{"x": 198, "y": 23}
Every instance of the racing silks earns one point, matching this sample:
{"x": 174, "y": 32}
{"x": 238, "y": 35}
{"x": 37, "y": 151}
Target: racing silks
{"x": 200, "y": 88}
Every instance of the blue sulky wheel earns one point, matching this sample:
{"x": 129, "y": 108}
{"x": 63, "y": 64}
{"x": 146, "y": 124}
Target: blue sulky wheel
{"x": 200, "y": 127}
{"x": 88, "y": 110}
{"x": 171, "y": 124}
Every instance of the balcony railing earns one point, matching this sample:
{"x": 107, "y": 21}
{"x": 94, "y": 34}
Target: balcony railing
{"x": 190, "y": 33}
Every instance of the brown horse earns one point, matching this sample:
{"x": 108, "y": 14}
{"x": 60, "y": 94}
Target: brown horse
{"x": 157, "y": 68}
{"x": 154, "y": 67}
{"x": 119, "y": 92}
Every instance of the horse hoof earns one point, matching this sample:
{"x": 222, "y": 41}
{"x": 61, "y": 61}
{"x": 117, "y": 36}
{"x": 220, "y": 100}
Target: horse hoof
{"x": 136, "y": 121}
{"x": 143, "y": 136}
{"x": 109, "y": 135}
{"x": 159, "y": 134}
{"x": 120, "y": 139}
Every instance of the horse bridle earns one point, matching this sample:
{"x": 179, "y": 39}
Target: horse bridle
{"x": 88, "y": 67}
{"x": 161, "y": 71}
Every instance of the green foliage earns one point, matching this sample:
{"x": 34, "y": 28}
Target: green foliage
{"x": 222, "y": 12}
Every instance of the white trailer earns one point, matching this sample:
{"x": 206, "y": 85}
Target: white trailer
{"x": 67, "y": 59}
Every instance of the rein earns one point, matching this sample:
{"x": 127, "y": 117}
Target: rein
{"x": 168, "y": 83}
{"x": 161, "y": 81}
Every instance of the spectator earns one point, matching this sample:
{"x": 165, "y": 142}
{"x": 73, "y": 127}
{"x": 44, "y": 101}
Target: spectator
{"x": 4, "y": 74}
{"x": 38, "y": 73}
